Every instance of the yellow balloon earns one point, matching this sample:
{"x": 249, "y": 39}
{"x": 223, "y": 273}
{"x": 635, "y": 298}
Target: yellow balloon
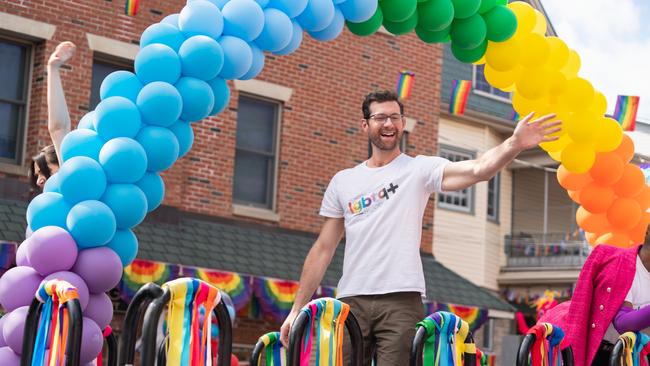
{"x": 572, "y": 66}
{"x": 609, "y": 135}
{"x": 556, "y": 146}
{"x": 503, "y": 56}
{"x": 537, "y": 51}
{"x": 534, "y": 83}
{"x": 578, "y": 158}
{"x": 540, "y": 23}
{"x": 555, "y": 155}
{"x": 524, "y": 106}
{"x": 581, "y": 127}
{"x": 557, "y": 83}
{"x": 599, "y": 106}
{"x": 526, "y": 17}
{"x": 579, "y": 93}
{"x": 559, "y": 53}
{"x": 502, "y": 79}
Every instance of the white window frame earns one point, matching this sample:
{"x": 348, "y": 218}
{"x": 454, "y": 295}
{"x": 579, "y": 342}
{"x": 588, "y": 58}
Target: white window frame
{"x": 448, "y": 149}
{"x": 497, "y": 198}
{"x": 484, "y": 93}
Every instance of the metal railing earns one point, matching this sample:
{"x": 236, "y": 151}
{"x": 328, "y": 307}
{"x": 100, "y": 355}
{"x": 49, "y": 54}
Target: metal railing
{"x": 545, "y": 250}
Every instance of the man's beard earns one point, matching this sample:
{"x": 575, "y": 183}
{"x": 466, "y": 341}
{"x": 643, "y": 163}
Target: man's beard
{"x": 375, "y": 139}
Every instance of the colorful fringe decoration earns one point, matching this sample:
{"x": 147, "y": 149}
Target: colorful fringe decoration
{"x": 445, "y": 343}
{"x": 275, "y": 297}
{"x": 636, "y": 348}
{"x": 459, "y": 94}
{"x": 131, "y": 7}
{"x": 54, "y": 322}
{"x": 404, "y": 84}
{"x": 189, "y": 342}
{"x": 275, "y": 354}
{"x": 474, "y": 316}
{"x": 235, "y": 285}
{"x": 546, "y": 348}
{"x": 625, "y": 112}
{"x": 327, "y": 319}
{"x": 141, "y": 272}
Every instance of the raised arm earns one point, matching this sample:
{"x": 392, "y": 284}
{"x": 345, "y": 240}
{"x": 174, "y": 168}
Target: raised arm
{"x": 58, "y": 118}
{"x": 318, "y": 259}
{"x": 527, "y": 134}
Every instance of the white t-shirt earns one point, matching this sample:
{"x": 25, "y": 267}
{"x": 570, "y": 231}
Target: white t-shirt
{"x": 383, "y": 209}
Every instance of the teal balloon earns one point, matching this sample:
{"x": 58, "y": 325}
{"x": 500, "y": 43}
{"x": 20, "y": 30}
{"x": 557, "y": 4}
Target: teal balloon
{"x": 128, "y": 203}
{"x": 87, "y": 122}
{"x": 162, "y": 33}
{"x": 435, "y": 15}
{"x": 47, "y": 209}
{"x": 81, "y": 178}
{"x": 501, "y": 23}
{"x": 200, "y": 17}
{"x": 124, "y": 160}
{"x": 154, "y": 189}
{"x": 243, "y": 19}
{"x": 125, "y": 244}
{"x": 171, "y": 19}
{"x": 197, "y": 98}
{"x": 201, "y": 57}
{"x": 398, "y": 10}
{"x": 52, "y": 184}
{"x": 160, "y": 103}
{"x": 404, "y": 27}
{"x": 221, "y": 93}
{"x": 471, "y": 55}
{"x": 296, "y": 40}
{"x": 185, "y": 136}
{"x": 157, "y": 62}
{"x": 428, "y": 36}
{"x": 161, "y": 147}
{"x": 468, "y": 33}
{"x": 117, "y": 117}
{"x": 120, "y": 83}
{"x": 332, "y": 31}
{"x": 486, "y": 5}
{"x": 81, "y": 142}
{"x": 91, "y": 224}
{"x": 465, "y": 8}
{"x": 369, "y": 26}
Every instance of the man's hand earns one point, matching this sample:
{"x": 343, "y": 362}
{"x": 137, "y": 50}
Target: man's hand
{"x": 529, "y": 134}
{"x": 286, "y": 328}
{"x": 63, "y": 52}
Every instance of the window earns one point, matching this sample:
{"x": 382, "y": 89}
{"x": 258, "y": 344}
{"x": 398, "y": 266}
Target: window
{"x": 101, "y": 69}
{"x": 462, "y": 200}
{"x": 494, "y": 187}
{"x": 14, "y": 78}
{"x": 483, "y": 87}
{"x": 255, "y": 152}
{"x": 488, "y": 335}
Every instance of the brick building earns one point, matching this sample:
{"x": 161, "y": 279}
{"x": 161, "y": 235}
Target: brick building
{"x": 246, "y": 197}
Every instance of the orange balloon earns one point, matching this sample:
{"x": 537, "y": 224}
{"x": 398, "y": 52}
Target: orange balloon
{"x": 607, "y": 169}
{"x": 624, "y": 214}
{"x": 644, "y": 198}
{"x": 574, "y": 195}
{"x": 621, "y": 240}
{"x": 631, "y": 183}
{"x": 595, "y": 223}
{"x": 596, "y": 198}
{"x": 572, "y": 181}
{"x": 626, "y": 149}
{"x": 637, "y": 233}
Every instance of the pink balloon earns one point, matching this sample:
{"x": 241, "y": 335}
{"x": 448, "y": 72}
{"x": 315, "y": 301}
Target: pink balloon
{"x": 8, "y": 357}
{"x": 100, "y": 309}
{"x": 21, "y": 254}
{"x": 75, "y": 281}
{"x": 51, "y": 249}
{"x": 92, "y": 341}
{"x": 18, "y": 287}
{"x": 14, "y": 328}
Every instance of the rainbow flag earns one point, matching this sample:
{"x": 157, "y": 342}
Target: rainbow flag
{"x": 459, "y": 93}
{"x": 404, "y": 84}
{"x": 625, "y": 112}
{"x": 514, "y": 116}
{"x": 131, "y": 7}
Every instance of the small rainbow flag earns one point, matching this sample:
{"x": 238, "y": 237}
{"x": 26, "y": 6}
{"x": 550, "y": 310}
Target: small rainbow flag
{"x": 514, "y": 116}
{"x": 625, "y": 112}
{"x": 459, "y": 93}
{"x": 131, "y": 7}
{"x": 404, "y": 84}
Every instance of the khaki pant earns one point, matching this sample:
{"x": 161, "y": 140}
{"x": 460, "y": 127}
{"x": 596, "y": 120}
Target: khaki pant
{"x": 387, "y": 324}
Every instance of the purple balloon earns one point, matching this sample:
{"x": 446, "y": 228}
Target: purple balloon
{"x": 18, "y": 287}
{"x": 100, "y": 309}
{"x": 21, "y": 254}
{"x": 100, "y": 267}
{"x": 8, "y": 357}
{"x": 14, "y": 328}
{"x": 92, "y": 341}
{"x": 75, "y": 281}
{"x": 51, "y": 249}
{"x": 2, "y": 337}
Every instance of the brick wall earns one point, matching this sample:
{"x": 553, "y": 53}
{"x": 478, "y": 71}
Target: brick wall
{"x": 320, "y": 130}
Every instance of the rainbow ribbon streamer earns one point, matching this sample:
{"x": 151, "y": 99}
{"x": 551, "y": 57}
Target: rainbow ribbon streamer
{"x": 275, "y": 354}
{"x": 445, "y": 343}
{"x": 327, "y": 318}
{"x": 275, "y": 297}
{"x": 625, "y": 112}
{"x": 546, "y": 348}
{"x": 474, "y": 316}
{"x": 459, "y": 94}
{"x": 404, "y": 84}
{"x": 131, "y": 7}
{"x": 636, "y": 348}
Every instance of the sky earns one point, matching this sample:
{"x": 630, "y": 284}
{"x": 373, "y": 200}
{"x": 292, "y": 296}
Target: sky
{"x": 613, "y": 42}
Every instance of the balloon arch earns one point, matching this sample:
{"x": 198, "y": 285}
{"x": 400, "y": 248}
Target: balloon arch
{"x": 81, "y": 226}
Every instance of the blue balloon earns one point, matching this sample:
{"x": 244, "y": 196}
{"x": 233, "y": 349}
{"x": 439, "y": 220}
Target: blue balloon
{"x": 160, "y": 145}
{"x": 91, "y": 224}
{"x": 317, "y": 15}
{"x": 185, "y": 136}
{"x": 120, "y": 83}
{"x": 221, "y": 93}
{"x": 117, "y": 117}
{"x": 258, "y": 63}
{"x": 81, "y": 178}
{"x": 201, "y": 17}
{"x": 218, "y": 3}
{"x": 154, "y": 188}
{"x": 52, "y": 184}
{"x": 238, "y": 57}
{"x": 87, "y": 121}
{"x": 277, "y": 31}
{"x": 81, "y": 143}
{"x": 198, "y": 98}
{"x": 128, "y": 203}
{"x": 358, "y": 11}
{"x": 333, "y": 30}
{"x": 162, "y": 33}
{"x": 296, "y": 40}
{"x": 157, "y": 62}
{"x": 124, "y": 160}
{"x": 125, "y": 244}
{"x": 160, "y": 103}
{"x": 263, "y": 3}
{"x": 336, "y": 2}
{"x": 47, "y": 209}
{"x": 243, "y": 19}
{"x": 292, "y": 8}
{"x": 201, "y": 57}
{"x": 171, "y": 19}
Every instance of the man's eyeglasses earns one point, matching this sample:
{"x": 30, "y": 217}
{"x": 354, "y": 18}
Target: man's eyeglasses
{"x": 382, "y": 118}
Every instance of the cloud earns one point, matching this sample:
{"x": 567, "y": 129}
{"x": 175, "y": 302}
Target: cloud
{"x": 613, "y": 42}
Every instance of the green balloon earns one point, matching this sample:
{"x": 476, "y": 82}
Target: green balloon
{"x": 501, "y": 23}
{"x": 398, "y": 10}
{"x": 404, "y": 27}
{"x": 468, "y": 33}
{"x": 433, "y": 36}
{"x": 502, "y": 2}
{"x": 486, "y": 5}
{"x": 368, "y": 27}
{"x": 471, "y": 55}
{"x": 465, "y": 8}
{"x": 435, "y": 15}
